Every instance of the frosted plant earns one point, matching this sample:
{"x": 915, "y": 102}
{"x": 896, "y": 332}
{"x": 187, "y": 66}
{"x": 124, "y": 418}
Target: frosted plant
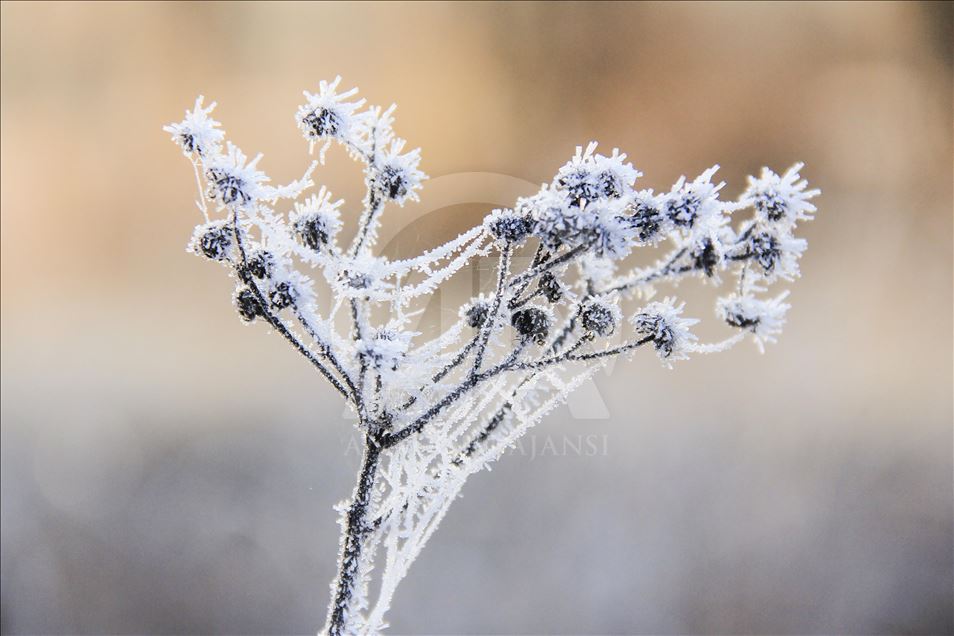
{"x": 433, "y": 412}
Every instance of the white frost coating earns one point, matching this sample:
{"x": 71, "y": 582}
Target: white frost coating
{"x": 434, "y": 411}
{"x": 197, "y": 133}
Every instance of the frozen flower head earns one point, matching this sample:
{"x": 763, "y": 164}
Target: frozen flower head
{"x": 600, "y": 317}
{"x": 316, "y": 221}
{"x": 663, "y": 323}
{"x": 555, "y": 221}
{"x": 648, "y": 218}
{"x": 558, "y": 222}
{"x": 386, "y": 348}
{"x": 691, "y": 203}
{"x": 212, "y": 240}
{"x": 398, "y": 176}
{"x": 235, "y": 181}
{"x": 780, "y": 198}
{"x": 289, "y": 288}
{"x": 282, "y": 294}
{"x": 707, "y": 244}
{"x": 764, "y": 318}
{"x": 475, "y": 313}
{"x": 532, "y": 323}
{"x": 592, "y": 177}
{"x": 774, "y": 252}
{"x": 331, "y": 115}
{"x": 261, "y": 264}
{"x": 706, "y": 255}
{"x": 197, "y": 133}
{"x": 247, "y": 305}
{"x": 608, "y": 229}
{"x": 508, "y": 227}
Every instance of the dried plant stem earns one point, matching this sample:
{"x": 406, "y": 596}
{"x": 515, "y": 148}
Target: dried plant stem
{"x": 354, "y": 532}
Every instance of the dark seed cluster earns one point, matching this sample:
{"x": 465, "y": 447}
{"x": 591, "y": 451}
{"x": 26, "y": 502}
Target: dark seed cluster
{"x": 532, "y": 323}
{"x": 765, "y": 249}
{"x": 322, "y": 122}
{"x": 771, "y": 205}
{"x": 188, "y": 142}
{"x": 598, "y": 319}
{"x": 312, "y": 230}
{"x": 511, "y": 227}
{"x": 261, "y": 264}
{"x": 215, "y": 241}
{"x": 684, "y": 210}
{"x": 393, "y": 182}
{"x": 282, "y": 295}
{"x": 476, "y": 314}
{"x": 656, "y": 327}
{"x": 740, "y": 320}
{"x": 647, "y": 220}
{"x": 247, "y": 304}
{"x": 705, "y": 257}
{"x": 229, "y": 188}
{"x": 579, "y": 186}
{"x": 610, "y": 184}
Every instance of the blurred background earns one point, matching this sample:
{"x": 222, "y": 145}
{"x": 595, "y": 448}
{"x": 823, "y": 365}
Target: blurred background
{"x": 167, "y": 470}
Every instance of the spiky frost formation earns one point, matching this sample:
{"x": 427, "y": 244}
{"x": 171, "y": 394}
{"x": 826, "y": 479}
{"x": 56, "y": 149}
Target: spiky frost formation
{"x": 600, "y": 317}
{"x": 475, "y": 314}
{"x": 662, "y": 321}
{"x": 764, "y": 318}
{"x": 781, "y": 199}
{"x": 508, "y": 226}
{"x": 235, "y": 181}
{"x": 649, "y": 218}
{"x": 247, "y": 304}
{"x": 532, "y": 323}
{"x": 316, "y": 222}
{"x": 330, "y": 115}
{"x": 590, "y": 177}
{"x": 261, "y": 264}
{"x": 399, "y": 177}
{"x": 435, "y": 410}
{"x": 197, "y": 133}
{"x": 212, "y": 240}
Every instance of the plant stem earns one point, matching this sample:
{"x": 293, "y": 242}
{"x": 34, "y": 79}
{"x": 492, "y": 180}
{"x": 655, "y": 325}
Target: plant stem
{"x": 355, "y": 533}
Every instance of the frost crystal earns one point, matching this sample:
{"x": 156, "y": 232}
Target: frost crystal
{"x": 508, "y": 226}
{"x": 328, "y": 114}
{"x": 399, "y": 179}
{"x": 247, "y": 305}
{"x": 532, "y": 323}
{"x": 317, "y": 221}
{"x": 212, "y": 240}
{"x": 600, "y": 317}
{"x": 197, "y": 133}
{"x": 663, "y": 324}
{"x": 781, "y": 199}
{"x": 434, "y": 411}
{"x": 764, "y": 318}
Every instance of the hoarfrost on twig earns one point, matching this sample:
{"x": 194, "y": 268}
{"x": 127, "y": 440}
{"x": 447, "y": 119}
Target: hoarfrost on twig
{"x": 434, "y": 411}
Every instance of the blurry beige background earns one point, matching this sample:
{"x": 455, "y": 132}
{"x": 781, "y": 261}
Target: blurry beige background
{"x": 165, "y": 470}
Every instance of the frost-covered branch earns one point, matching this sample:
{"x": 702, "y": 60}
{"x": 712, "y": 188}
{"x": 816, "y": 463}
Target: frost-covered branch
{"x": 434, "y": 411}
